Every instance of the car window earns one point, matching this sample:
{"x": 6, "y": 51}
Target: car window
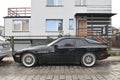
{"x": 91, "y": 41}
{"x": 79, "y": 42}
{"x": 65, "y": 43}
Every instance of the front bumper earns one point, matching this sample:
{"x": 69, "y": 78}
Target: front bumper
{"x": 17, "y": 58}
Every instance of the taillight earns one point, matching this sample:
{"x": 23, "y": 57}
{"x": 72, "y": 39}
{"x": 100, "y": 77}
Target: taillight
{"x": 102, "y": 54}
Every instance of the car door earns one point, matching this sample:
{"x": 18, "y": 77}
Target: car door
{"x": 79, "y": 48}
{"x": 65, "y": 51}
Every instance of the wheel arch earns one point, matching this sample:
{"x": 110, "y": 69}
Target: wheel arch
{"x": 25, "y": 52}
{"x": 93, "y": 51}
{"x": 83, "y": 56}
{"x": 33, "y": 54}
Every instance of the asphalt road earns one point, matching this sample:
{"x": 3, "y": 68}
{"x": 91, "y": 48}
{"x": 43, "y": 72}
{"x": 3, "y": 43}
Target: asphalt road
{"x": 108, "y": 69}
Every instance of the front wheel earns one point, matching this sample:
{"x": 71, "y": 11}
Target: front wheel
{"x": 88, "y": 59}
{"x": 29, "y": 60}
{"x": 1, "y": 58}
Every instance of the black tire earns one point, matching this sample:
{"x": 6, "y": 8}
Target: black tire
{"x": 88, "y": 60}
{"x": 29, "y": 60}
{"x": 1, "y": 58}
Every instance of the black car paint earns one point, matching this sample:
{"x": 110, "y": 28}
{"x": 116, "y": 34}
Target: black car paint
{"x": 50, "y": 54}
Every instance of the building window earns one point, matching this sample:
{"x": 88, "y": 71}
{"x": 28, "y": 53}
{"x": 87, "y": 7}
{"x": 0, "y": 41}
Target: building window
{"x": 70, "y": 23}
{"x": 80, "y": 2}
{"x": 54, "y": 25}
{"x": 54, "y": 2}
{"x": 21, "y": 25}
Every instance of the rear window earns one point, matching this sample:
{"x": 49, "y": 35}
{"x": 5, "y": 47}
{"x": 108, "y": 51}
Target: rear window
{"x": 80, "y": 42}
{"x": 91, "y": 41}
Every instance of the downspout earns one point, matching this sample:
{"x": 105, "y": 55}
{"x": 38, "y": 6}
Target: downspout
{"x": 4, "y": 28}
{"x": 76, "y": 27}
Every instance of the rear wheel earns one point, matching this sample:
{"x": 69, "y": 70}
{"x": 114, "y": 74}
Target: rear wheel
{"x": 29, "y": 60}
{"x": 88, "y": 59}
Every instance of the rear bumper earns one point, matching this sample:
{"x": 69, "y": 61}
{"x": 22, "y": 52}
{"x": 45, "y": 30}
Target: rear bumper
{"x": 106, "y": 55}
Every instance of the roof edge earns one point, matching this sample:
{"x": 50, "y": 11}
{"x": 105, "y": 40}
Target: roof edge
{"x": 17, "y": 17}
{"x": 95, "y": 14}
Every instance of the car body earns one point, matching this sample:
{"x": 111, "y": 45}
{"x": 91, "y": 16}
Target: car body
{"x": 5, "y": 49}
{"x": 63, "y": 50}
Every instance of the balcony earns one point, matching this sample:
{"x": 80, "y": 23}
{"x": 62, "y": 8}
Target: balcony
{"x": 21, "y": 11}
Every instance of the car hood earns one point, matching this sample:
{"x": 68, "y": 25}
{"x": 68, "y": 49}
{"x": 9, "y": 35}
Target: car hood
{"x": 35, "y": 48}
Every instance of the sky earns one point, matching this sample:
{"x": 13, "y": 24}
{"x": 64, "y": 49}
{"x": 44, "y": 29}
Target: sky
{"x": 5, "y": 4}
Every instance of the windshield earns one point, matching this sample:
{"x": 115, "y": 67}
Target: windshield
{"x": 50, "y": 44}
{"x": 91, "y": 41}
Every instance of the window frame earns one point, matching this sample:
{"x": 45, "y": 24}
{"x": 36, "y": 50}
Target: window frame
{"x": 54, "y": 5}
{"x": 57, "y": 27}
{"x": 82, "y": 3}
{"x": 21, "y": 25}
{"x": 71, "y": 28}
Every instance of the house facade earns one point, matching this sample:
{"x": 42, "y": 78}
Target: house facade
{"x": 82, "y": 18}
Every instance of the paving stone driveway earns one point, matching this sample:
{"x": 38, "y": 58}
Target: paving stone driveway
{"x": 103, "y": 70}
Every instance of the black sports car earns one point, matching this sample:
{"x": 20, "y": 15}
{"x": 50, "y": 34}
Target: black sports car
{"x": 63, "y": 50}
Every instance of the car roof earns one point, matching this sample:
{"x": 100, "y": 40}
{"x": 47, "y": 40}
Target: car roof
{"x": 82, "y": 38}
{"x": 72, "y": 38}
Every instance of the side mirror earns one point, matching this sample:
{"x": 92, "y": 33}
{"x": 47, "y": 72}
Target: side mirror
{"x": 56, "y": 46}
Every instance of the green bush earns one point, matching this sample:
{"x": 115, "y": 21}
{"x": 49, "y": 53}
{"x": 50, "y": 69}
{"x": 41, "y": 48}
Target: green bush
{"x": 49, "y": 40}
{"x": 37, "y": 44}
{"x": 114, "y": 53}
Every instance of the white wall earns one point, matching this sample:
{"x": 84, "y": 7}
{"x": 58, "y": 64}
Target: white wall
{"x": 98, "y": 2}
{"x": 99, "y": 6}
{"x": 9, "y": 27}
{"x": 40, "y": 13}
{"x": 21, "y": 46}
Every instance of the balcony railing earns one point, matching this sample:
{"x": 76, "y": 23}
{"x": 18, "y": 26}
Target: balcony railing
{"x": 22, "y": 11}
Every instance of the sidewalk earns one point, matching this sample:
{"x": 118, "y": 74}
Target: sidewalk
{"x": 113, "y": 58}
{"x": 9, "y": 58}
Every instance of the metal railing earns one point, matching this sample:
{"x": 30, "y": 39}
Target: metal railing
{"x": 99, "y": 37}
{"x": 21, "y": 11}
